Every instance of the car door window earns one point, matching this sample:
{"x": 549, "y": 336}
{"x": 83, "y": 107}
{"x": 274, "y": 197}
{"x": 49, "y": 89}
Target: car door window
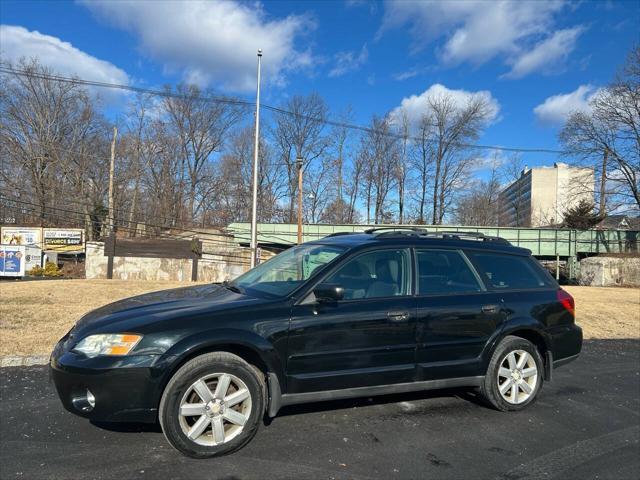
{"x": 445, "y": 271}
{"x": 381, "y": 273}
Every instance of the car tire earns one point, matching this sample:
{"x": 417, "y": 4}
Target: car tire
{"x": 514, "y": 376}
{"x": 212, "y": 405}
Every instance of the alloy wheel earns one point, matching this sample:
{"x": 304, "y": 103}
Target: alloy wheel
{"x": 214, "y": 409}
{"x": 517, "y": 377}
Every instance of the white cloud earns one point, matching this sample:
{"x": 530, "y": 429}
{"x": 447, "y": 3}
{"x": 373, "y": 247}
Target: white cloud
{"x": 479, "y": 31}
{"x": 546, "y": 54}
{"x": 415, "y": 106}
{"x": 351, "y": 61}
{"x": 407, "y": 74}
{"x": 371, "y": 4}
{"x": 62, "y": 57}
{"x": 212, "y": 42}
{"x": 555, "y": 109}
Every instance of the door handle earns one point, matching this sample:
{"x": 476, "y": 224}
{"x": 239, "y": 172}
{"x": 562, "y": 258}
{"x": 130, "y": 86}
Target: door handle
{"x": 398, "y": 316}
{"x": 490, "y": 308}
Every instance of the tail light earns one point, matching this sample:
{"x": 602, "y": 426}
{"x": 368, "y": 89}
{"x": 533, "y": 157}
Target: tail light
{"x": 567, "y": 301}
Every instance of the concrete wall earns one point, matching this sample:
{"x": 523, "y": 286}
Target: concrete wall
{"x": 610, "y": 272}
{"x": 226, "y": 264}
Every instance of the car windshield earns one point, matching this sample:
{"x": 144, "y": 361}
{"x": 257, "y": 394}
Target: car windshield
{"x": 282, "y": 274}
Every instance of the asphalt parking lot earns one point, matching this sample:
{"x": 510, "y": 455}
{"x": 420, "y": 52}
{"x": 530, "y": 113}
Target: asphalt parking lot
{"x": 585, "y": 424}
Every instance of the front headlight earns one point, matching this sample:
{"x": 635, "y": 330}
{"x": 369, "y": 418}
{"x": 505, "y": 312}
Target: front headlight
{"x": 107, "y": 344}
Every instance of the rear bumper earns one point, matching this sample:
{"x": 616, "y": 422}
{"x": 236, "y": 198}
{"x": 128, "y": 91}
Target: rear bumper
{"x": 564, "y": 361}
{"x": 566, "y": 344}
{"x": 125, "y": 389}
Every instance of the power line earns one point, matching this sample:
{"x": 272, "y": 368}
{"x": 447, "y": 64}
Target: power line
{"x": 238, "y": 259}
{"x": 117, "y": 86}
{"x": 247, "y": 103}
{"x": 121, "y": 225}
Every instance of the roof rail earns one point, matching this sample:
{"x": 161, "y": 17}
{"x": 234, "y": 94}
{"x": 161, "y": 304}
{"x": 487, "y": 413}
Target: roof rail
{"x": 379, "y": 229}
{"x": 470, "y": 235}
{"x": 338, "y": 234}
{"x": 424, "y": 233}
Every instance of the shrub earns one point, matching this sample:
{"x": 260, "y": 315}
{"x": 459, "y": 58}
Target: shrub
{"x": 52, "y": 270}
{"x": 36, "y": 271}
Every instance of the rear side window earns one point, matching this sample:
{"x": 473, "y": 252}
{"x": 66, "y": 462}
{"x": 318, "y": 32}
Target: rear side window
{"x": 510, "y": 271}
{"x": 444, "y": 271}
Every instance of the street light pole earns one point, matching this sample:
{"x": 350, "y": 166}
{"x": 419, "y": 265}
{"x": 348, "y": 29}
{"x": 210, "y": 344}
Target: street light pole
{"x": 254, "y": 204}
{"x": 299, "y": 165}
{"x": 112, "y": 168}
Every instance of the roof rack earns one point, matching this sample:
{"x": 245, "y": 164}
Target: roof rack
{"x": 395, "y": 229}
{"x": 338, "y": 234}
{"x": 424, "y": 233}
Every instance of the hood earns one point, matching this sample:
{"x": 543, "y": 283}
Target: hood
{"x": 161, "y": 305}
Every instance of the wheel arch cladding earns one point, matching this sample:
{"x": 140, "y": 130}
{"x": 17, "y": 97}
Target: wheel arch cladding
{"x": 255, "y": 351}
{"x": 528, "y": 329}
{"x": 535, "y": 337}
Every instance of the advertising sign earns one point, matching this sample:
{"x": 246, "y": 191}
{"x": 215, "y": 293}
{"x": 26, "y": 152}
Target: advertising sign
{"x": 63, "y": 240}
{"x": 12, "y": 260}
{"x": 21, "y": 236}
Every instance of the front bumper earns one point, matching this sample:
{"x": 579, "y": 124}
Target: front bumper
{"x": 126, "y": 389}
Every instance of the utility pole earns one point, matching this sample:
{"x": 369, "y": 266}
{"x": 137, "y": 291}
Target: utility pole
{"x": 254, "y": 204}
{"x": 299, "y": 165}
{"x": 112, "y": 168}
{"x": 603, "y": 184}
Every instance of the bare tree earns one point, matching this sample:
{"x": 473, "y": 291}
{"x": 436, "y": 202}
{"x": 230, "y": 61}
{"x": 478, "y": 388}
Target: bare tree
{"x": 300, "y": 134}
{"x": 200, "y": 124}
{"x": 318, "y": 188}
{"x": 379, "y": 151}
{"x": 480, "y": 206}
{"x": 422, "y": 162}
{"x": 51, "y": 142}
{"x": 453, "y": 127}
{"x": 338, "y": 210}
{"x": 136, "y": 145}
{"x": 607, "y": 136}
{"x": 235, "y": 171}
{"x": 402, "y": 165}
{"x": 353, "y": 187}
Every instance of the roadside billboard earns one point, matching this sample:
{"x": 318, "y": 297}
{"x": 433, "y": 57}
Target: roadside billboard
{"x": 63, "y": 240}
{"x": 17, "y": 260}
{"x": 21, "y": 236}
{"x": 11, "y": 261}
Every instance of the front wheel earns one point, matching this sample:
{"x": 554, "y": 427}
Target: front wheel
{"x": 514, "y": 376}
{"x": 212, "y": 405}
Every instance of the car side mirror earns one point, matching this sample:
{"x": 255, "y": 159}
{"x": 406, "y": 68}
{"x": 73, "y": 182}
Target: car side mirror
{"x": 328, "y": 292}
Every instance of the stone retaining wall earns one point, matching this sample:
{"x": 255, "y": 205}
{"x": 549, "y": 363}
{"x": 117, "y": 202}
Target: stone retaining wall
{"x": 225, "y": 264}
{"x": 610, "y": 272}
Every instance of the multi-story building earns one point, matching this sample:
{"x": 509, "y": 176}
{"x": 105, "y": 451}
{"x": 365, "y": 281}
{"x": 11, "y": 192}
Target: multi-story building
{"x": 542, "y": 195}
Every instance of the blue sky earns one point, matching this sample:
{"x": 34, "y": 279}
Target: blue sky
{"x": 535, "y": 61}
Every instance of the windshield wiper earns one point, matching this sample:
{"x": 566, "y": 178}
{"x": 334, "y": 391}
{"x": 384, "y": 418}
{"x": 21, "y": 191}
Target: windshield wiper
{"x": 233, "y": 288}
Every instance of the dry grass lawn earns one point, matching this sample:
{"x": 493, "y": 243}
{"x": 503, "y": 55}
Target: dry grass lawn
{"x": 607, "y": 312}
{"x": 34, "y": 315}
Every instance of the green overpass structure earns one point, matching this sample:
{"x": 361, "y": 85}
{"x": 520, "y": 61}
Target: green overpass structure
{"x": 557, "y": 244}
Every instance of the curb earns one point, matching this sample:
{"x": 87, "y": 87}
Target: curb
{"x": 23, "y": 360}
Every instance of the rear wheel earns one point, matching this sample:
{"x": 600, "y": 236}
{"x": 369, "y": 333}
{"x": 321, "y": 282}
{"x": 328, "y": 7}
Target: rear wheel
{"x": 514, "y": 376}
{"x": 212, "y": 405}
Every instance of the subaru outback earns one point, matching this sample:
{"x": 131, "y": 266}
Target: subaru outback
{"x": 350, "y": 315}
